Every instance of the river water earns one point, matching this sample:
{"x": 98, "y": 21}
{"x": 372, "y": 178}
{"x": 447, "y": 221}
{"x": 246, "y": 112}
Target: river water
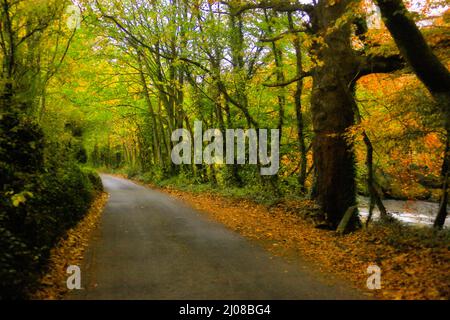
{"x": 413, "y": 212}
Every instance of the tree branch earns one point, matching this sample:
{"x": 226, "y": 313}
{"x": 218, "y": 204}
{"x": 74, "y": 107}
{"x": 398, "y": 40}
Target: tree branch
{"x": 277, "y": 5}
{"x": 288, "y": 82}
{"x": 380, "y": 64}
{"x": 281, "y": 35}
{"x": 413, "y": 46}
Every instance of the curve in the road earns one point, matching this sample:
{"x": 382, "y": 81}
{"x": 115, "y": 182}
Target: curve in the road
{"x": 151, "y": 246}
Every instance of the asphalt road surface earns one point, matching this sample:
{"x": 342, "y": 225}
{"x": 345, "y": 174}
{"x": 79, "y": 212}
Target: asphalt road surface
{"x": 152, "y": 246}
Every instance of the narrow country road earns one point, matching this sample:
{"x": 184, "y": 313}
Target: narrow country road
{"x": 151, "y": 246}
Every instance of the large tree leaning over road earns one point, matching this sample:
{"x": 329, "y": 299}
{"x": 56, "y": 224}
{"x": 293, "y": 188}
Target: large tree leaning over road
{"x": 432, "y": 72}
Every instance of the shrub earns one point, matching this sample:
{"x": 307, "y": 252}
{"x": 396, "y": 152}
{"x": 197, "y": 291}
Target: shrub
{"x": 39, "y": 201}
{"x": 94, "y": 178}
{"x": 132, "y": 172}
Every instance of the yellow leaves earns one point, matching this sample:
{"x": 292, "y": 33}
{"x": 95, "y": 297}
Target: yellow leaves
{"x": 309, "y": 41}
{"x": 17, "y": 200}
{"x": 400, "y": 259}
{"x": 332, "y": 3}
{"x": 20, "y": 198}
{"x": 410, "y": 271}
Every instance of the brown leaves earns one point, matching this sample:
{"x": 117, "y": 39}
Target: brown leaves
{"x": 70, "y": 251}
{"x": 415, "y": 273}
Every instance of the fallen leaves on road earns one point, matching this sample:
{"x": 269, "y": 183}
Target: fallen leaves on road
{"x": 411, "y": 272}
{"x": 69, "y": 251}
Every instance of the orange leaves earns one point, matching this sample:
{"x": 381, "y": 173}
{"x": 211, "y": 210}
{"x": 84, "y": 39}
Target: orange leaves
{"x": 396, "y": 110}
{"x": 416, "y": 273}
{"x": 70, "y": 251}
{"x": 432, "y": 141}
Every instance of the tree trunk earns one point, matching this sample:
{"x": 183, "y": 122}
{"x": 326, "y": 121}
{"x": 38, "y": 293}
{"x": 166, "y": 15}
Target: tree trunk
{"x": 298, "y": 107}
{"x": 373, "y": 193}
{"x": 442, "y": 213}
{"x": 155, "y": 135}
{"x": 332, "y": 105}
{"x": 414, "y": 48}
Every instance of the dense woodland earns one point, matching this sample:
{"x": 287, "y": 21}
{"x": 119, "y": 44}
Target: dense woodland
{"x": 363, "y": 106}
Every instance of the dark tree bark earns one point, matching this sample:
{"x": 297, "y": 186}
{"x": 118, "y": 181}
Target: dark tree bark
{"x": 373, "y": 193}
{"x": 332, "y": 106}
{"x": 414, "y": 48}
{"x": 442, "y": 213}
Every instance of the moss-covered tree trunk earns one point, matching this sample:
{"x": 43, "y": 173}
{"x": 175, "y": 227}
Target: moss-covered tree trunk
{"x": 332, "y": 106}
{"x": 298, "y": 105}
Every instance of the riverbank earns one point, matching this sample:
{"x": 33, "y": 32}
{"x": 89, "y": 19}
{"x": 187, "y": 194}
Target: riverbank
{"x": 410, "y": 212}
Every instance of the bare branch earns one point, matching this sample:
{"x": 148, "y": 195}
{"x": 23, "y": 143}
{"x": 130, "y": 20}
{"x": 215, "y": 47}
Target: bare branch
{"x": 288, "y": 82}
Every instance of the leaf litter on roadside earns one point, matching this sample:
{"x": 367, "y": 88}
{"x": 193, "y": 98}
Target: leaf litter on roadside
{"x": 69, "y": 251}
{"x": 410, "y": 268}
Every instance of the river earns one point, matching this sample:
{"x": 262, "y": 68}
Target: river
{"x": 414, "y": 212}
